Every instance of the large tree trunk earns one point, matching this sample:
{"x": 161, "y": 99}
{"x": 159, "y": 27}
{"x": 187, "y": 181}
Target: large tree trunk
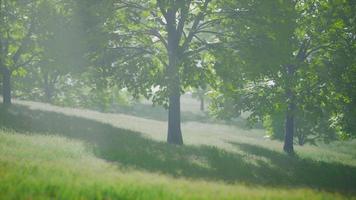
{"x": 174, "y": 122}
{"x": 6, "y": 86}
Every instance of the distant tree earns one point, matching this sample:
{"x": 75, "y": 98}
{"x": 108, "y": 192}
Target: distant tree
{"x": 61, "y": 39}
{"x": 72, "y": 41}
{"x": 200, "y": 94}
{"x": 17, "y": 41}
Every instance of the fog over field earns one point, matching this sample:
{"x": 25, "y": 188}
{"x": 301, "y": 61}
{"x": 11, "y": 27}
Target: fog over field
{"x": 178, "y": 99}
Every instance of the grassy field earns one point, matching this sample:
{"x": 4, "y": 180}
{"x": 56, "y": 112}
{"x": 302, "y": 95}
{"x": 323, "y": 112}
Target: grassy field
{"x": 47, "y": 152}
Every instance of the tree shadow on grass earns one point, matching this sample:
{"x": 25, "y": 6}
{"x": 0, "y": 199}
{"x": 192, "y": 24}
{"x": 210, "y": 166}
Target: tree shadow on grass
{"x": 289, "y": 170}
{"x": 254, "y": 165}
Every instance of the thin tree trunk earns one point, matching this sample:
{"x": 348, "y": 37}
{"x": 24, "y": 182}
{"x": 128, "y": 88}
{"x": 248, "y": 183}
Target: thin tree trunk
{"x": 201, "y": 103}
{"x": 6, "y": 86}
{"x": 48, "y": 88}
{"x": 289, "y": 123}
{"x": 289, "y": 130}
{"x": 291, "y": 97}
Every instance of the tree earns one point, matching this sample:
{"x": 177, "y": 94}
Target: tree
{"x": 61, "y": 40}
{"x": 275, "y": 45}
{"x": 200, "y": 94}
{"x": 262, "y": 46}
{"x": 319, "y": 33}
{"x": 70, "y": 38}
{"x": 17, "y": 25}
{"x": 160, "y": 44}
{"x": 337, "y": 66}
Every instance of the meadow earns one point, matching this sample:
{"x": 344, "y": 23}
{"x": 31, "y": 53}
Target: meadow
{"x": 49, "y": 152}
{"x": 177, "y": 99}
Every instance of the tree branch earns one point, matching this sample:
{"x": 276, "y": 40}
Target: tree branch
{"x": 158, "y": 18}
{"x": 311, "y": 51}
{"x": 162, "y": 8}
{"x": 302, "y": 50}
{"x": 207, "y": 23}
{"x": 126, "y": 4}
{"x": 27, "y": 61}
{"x": 195, "y": 25}
{"x": 156, "y": 33}
{"x": 150, "y": 31}
{"x": 183, "y": 17}
{"x": 24, "y": 42}
{"x": 202, "y": 48}
{"x": 210, "y": 32}
{"x": 132, "y": 48}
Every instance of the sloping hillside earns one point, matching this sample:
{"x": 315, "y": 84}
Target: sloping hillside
{"x": 50, "y": 151}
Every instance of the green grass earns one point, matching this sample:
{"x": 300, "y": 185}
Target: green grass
{"x": 50, "y": 167}
{"x": 52, "y": 155}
